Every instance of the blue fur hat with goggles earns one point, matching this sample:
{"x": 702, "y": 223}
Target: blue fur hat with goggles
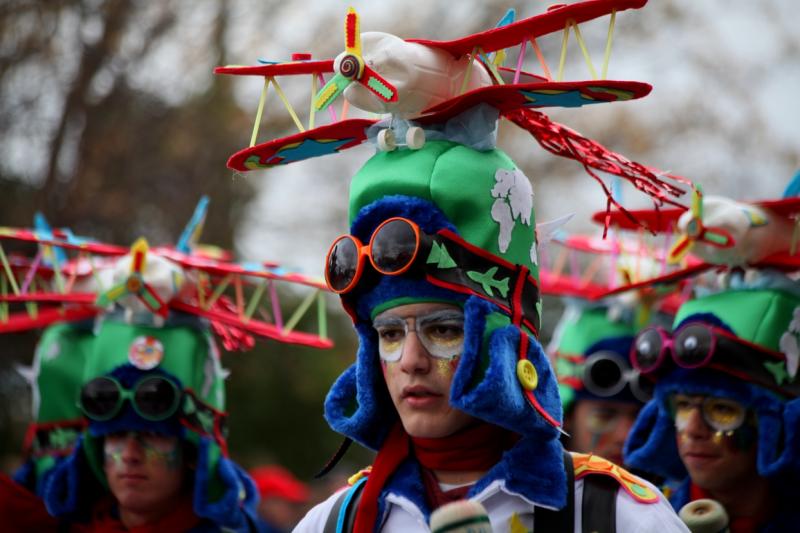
{"x": 166, "y": 380}
{"x": 451, "y": 224}
{"x": 740, "y": 344}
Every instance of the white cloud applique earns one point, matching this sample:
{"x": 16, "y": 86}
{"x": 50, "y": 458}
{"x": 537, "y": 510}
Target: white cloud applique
{"x": 790, "y": 343}
{"x": 513, "y": 201}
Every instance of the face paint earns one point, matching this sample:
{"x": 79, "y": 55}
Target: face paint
{"x": 155, "y": 448}
{"x": 447, "y": 368}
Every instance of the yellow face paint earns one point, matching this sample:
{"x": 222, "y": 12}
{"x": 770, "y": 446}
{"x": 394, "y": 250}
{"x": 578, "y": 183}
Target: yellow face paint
{"x": 443, "y": 367}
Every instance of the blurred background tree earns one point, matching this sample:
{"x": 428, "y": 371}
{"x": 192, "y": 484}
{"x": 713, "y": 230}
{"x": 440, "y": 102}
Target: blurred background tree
{"x": 112, "y": 124}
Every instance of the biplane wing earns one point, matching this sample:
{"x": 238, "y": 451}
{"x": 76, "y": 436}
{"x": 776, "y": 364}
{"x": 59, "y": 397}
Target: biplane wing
{"x": 61, "y": 239}
{"x": 666, "y": 220}
{"x": 323, "y": 140}
{"x": 555, "y": 19}
{"x": 287, "y": 68}
{"x": 507, "y": 98}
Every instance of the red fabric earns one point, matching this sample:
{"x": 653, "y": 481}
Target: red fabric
{"x": 182, "y": 518}
{"x": 276, "y": 482}
{"x": 21, "y": 510}
{"x": 743, "y": 524}
{"x": 438, "y": 497}
{"x": 475, "y": 448}
{"x": 394, "y": 450}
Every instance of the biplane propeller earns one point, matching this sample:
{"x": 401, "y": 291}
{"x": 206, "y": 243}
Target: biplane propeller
{"x": 240, "y": 300}
{"x": 695, "y": 230}
{"x": 350, "y": 67}
{"x": 135, "y": 284}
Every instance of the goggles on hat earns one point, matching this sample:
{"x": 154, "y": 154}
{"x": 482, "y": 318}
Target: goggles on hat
{"x": 441, "y": 332}
{"x": 153, "y": 398}
{"x": 399, "y": 246}
{"x": 606, "y": 374}
{"x": 721, "y": 414}
{"x": 697, "y": 345}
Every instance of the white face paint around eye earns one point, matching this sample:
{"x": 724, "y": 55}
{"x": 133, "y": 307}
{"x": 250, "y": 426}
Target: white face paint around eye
{"x": 440, "y": 332}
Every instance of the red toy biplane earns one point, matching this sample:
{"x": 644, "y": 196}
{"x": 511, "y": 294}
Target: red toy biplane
{"x": 72, "y": 278}
{"x": 426, "y": 82}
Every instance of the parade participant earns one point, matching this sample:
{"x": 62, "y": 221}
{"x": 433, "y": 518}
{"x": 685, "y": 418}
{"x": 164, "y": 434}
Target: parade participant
{"x": 154, "y": 454}
{"x": 724, "y": 417}
{"x": 283, "y": 498}
{"x": 451, "y": 385}
{"x": 601, "y": 394}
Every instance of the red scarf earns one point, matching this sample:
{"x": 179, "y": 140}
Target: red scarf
{"x": 476, "y": 448}
{"x": 743, "y": 524}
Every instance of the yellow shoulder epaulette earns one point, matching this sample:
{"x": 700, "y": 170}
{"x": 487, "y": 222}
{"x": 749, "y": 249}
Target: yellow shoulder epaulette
{"x": 586, "y": 464}
{"x": 364, "y": 472}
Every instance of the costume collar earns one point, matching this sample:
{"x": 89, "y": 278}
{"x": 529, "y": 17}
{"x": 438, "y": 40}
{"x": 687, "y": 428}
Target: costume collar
{"x": 531, "y": 469}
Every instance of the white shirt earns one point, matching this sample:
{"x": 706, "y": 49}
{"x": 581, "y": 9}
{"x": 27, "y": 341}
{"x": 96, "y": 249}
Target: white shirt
{"x": 503, "y": 506}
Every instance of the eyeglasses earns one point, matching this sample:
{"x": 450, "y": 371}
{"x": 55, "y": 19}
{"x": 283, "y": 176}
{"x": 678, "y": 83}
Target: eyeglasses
{"x": 606, "y": 374}
{"x": 697, "y": 345}
{"x": 153, "y": 398}
{"x": 721, "y": 414}
{"x": 440, "y": 332}
{"x": 399, "y": 246}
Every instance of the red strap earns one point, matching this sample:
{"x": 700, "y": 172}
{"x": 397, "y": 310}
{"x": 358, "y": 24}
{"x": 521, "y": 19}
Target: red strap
{"x": 394, "y": 450}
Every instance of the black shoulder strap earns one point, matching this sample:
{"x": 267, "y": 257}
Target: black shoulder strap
{"x": 549, "y": 521}
{"x": 599, "y": 505}
{"x": 345, "y": 505}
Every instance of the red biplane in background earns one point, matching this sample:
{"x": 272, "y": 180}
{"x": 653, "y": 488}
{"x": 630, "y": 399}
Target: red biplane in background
{"x": 719, "y": 234}
{"x": 72, "y": 278}
{"x": 424, "y": 83}
{"x": 595, "y": 268}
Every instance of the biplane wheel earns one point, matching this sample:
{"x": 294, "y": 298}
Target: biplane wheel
{"x": 386, "y": 140}
{"x": 704, "y": 516}
{"x": 415, "y": 138}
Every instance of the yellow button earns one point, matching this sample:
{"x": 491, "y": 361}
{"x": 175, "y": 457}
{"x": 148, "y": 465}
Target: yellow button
{"x": 527, "y": 375}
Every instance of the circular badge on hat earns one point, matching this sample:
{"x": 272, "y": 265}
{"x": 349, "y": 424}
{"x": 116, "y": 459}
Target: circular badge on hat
{"x": 145, "y": 352}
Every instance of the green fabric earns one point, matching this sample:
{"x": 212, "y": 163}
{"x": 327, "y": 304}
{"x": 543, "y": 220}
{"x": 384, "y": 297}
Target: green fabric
{"x": 494, "y": 321}
{"x": 61, "y": 355}
{"x": 459, "y": 180}
{"x": 187, "y": 356}
{"x": 760, "y": 316}
{"x": 407, "y": 300}
{"x": 589, "y": 327}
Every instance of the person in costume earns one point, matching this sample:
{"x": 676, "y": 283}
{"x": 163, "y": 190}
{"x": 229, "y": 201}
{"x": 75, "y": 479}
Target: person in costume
{"x": 601, "y": 394}
{"x": 723, "y": 421}
{"x": 154, "y": 454}
{"x": 724, "y": 416}
{"x": 450, "y": 384}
